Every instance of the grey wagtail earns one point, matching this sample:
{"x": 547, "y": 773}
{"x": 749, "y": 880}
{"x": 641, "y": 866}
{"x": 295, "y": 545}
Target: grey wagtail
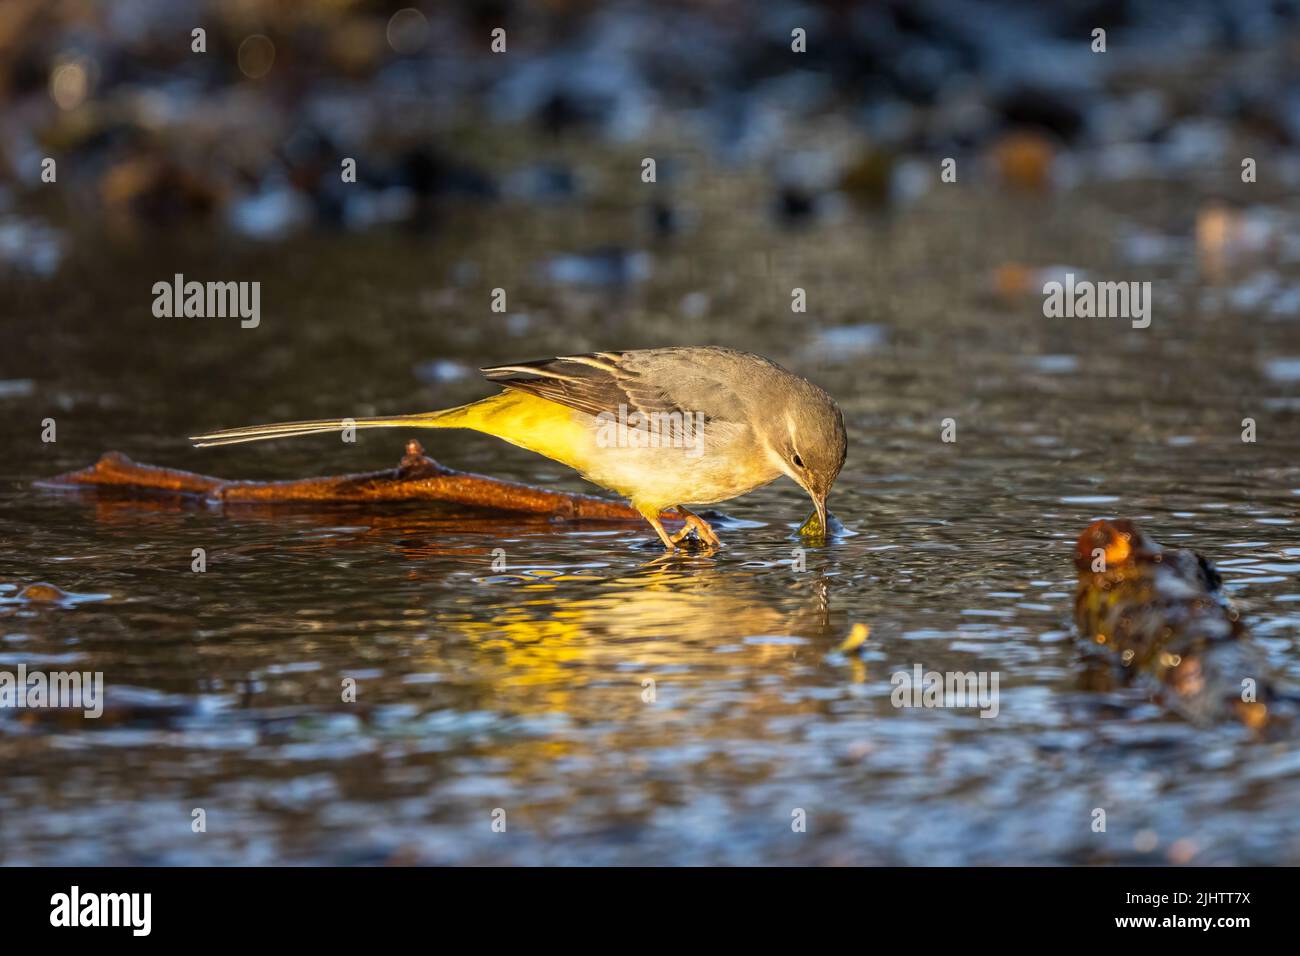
{"x": 664, "y": 428}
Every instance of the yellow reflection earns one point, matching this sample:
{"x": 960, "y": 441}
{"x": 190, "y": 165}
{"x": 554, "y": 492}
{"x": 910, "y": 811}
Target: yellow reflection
{"x": 586, "y": 652}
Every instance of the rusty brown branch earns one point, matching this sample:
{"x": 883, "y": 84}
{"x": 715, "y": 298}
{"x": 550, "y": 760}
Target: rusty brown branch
{"x": 416, "y": 478}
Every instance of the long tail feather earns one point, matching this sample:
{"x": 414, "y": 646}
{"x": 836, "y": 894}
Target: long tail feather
{"x": 235, "y": 436}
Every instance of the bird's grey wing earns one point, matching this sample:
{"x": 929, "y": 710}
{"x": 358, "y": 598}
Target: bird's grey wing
{"x": 649, "y": 381}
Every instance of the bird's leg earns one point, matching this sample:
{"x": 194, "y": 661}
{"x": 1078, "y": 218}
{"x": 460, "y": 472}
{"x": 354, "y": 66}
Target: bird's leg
{"x": 652, "y": 515}
{"x": 702, "y": 529}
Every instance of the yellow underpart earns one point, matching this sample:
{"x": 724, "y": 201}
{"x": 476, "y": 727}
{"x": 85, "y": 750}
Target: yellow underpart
{"x": 538, "y": 424}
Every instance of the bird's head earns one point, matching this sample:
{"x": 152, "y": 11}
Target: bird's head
{"x": 809, "y": 442}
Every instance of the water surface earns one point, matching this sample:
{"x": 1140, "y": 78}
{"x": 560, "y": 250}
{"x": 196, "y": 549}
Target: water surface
{"x": 525, "y": 689}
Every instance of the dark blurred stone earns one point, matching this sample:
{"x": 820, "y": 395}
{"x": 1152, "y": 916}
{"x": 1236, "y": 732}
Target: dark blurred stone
{"x": 869, "y": 178}
{"x": 428, "y": 172}
{"x": 1040, "y": 108}
{"x": 563, "y": 112}
{"x": 156, "y": 191}
{"x": 664, "y": 220}
{"x": 795, "y": 205}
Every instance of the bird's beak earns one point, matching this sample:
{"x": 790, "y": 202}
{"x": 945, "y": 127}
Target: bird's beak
{"x": 819, "y": 502}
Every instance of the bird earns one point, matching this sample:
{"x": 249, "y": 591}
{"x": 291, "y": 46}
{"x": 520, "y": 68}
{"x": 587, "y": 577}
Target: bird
{"x": 666, "y": 428}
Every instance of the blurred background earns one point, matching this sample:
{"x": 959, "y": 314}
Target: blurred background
{"x": 774, "y": 171}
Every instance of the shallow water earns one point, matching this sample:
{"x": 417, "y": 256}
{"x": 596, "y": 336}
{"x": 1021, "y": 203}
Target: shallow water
{"x": 523, "y": 689}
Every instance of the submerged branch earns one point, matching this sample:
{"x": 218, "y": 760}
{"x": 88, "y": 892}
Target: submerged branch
{"x": 416, "y": 478}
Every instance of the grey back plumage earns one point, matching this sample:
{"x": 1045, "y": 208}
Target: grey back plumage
{"x": 716, "y": 381}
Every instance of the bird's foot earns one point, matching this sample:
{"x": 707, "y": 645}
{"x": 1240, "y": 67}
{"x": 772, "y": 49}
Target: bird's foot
{"x": 652, "y": 516}
{"x": 695, "y": 523}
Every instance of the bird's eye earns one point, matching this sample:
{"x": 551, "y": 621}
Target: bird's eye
{"x": 798, "y": 462}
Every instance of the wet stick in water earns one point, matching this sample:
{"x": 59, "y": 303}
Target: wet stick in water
{"x": 416, "y": 478}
